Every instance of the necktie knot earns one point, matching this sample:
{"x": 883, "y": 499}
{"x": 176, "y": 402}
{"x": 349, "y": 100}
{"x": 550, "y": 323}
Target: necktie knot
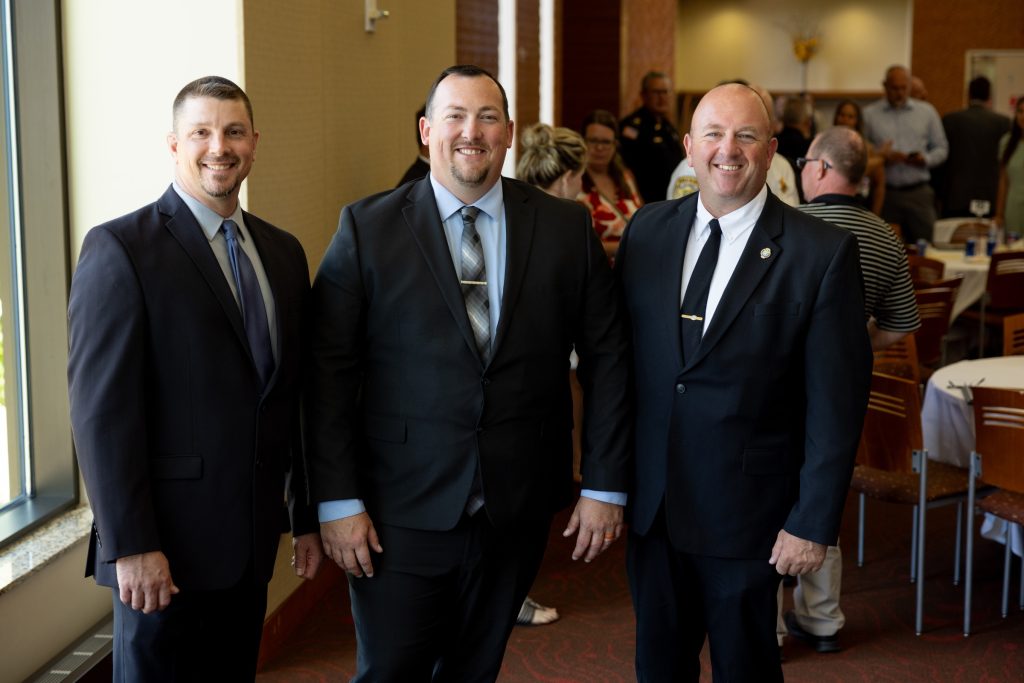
{"x": 469, "y": 214}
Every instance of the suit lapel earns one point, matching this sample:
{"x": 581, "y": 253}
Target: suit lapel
{"x": 183, "y": 226}
{"x": 520, "y": 223}
{"x": 424, "y": 221}
{"x": 750, "y": 269}
{"x": 671, "y": 270}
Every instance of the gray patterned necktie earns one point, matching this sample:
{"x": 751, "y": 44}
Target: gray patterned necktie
{"x": 474, "y": 282}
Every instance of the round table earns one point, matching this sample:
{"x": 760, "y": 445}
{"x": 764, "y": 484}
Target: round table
{"x": 947, "y": 421}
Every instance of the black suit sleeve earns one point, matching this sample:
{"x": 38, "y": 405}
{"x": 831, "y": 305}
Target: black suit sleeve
{"x": 337, "y": 320}
{"x": 106, "y": 387}
{"x": 604, "y": 376}
{"x": 837, "y": 367}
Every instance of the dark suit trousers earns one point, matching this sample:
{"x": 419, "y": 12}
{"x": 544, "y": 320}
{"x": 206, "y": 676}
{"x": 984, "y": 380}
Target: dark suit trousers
{"x": 680, "y": 599}
{"x": 200, "y": 636}
{"x": 441, "y": 604}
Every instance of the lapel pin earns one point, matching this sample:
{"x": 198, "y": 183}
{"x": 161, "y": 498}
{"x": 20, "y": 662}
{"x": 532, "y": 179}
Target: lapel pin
{"x": 766, "y": 252}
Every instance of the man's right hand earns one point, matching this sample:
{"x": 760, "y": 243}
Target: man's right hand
{"x": 348, "y": 541}
{"x": 145, "y": 581}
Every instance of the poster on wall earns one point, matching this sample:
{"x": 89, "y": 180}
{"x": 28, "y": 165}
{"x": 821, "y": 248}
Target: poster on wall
{"x": 1005, "y": 69}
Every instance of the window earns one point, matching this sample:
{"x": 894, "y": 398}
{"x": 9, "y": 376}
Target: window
{"x": 37, "y": 472}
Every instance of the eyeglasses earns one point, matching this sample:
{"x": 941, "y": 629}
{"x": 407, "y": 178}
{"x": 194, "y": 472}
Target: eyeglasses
{"x": 599, "y": 142}
{"x": 803, "y": 161}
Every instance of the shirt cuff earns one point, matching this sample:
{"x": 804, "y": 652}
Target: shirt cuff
{"x": 330, "y": 510}
{"x": 613, "y": 497}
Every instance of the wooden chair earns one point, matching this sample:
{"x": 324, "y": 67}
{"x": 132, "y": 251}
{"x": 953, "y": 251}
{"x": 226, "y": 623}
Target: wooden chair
{"x": 1013, "y": 335}
{"x": 976, "y": 229}
{"x": 1004, "y": 294}
{"x": 934, "y": 307}
{"x": 996, "y": 461}
{"x": 893, "y": 466}
{"x": 900, "y": 360}
{"x": 925, "y": 270}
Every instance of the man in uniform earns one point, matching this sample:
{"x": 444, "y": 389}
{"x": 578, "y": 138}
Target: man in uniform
{"x": 649, "y": 142}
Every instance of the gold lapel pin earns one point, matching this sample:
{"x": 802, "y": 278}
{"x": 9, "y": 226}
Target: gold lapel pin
{"x": 766, "y": 252}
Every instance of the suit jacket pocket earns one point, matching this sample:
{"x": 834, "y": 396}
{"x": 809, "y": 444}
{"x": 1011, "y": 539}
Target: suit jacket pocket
{"x": 178, "y": 467}
{"x": 759, "y": 463}
{"x": 390, "y": 429}
{"x": 787, "y": 308}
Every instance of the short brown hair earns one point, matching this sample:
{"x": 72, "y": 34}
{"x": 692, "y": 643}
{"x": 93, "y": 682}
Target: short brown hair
{"x": 216, "y": 87}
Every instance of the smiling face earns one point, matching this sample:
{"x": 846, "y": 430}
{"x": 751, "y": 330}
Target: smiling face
{"x": 468, "y": 135}
{"x": 214, "y": 146}
{"x": 730, "y": 147}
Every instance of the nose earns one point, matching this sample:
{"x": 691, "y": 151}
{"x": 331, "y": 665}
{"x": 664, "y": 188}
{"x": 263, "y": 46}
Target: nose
{"x": 471, "y": 128}
{"x": 217, "y": 141}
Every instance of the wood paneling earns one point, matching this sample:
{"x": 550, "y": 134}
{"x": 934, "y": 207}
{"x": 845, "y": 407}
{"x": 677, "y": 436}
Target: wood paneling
{"x": 943, "y": 32}
{"x": 476, "y": 33}
{"x": 590, "y": 56}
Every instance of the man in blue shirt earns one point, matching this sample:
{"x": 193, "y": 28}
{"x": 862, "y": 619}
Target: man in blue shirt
{"x": 908, "y": 134}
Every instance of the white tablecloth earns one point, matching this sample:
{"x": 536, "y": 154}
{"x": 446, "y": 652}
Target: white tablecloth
{"x": 947, "y": 422}
{"x": 974, "y": 271}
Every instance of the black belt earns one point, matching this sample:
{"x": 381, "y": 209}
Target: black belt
{"x": 907, "y": 188}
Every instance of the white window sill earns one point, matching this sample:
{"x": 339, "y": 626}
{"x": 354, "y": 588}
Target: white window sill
{"x": 27, "y": 556}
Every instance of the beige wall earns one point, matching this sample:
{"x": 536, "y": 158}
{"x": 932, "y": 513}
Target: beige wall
{"x": 335, "y": 105}
{"x": 859, "y": 39}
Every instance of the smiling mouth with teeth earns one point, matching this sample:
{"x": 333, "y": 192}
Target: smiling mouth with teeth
{"x": 728, "y": 167}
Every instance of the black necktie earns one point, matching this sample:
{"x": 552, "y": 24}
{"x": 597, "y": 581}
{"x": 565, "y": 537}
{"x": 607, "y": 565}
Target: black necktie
{"x": 250, "y": 300}
{"x": 474, "y": 282}
{"x": 695, "y": 301}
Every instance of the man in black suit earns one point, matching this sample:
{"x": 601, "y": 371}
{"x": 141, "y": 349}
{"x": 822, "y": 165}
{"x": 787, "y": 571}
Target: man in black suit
{"x": 184, "y": 376}
{"x": 438, "y": 412}
{"x": 750, "y": 397}
{"x": 971, "y": 170}
{"x": 421, "y": 166}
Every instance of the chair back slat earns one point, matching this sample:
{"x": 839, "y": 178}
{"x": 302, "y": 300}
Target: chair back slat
{"x": 967, "y": 230}
{"x": 1005, "y": 286}
{"x": 999, "y": 436}
{"x": 934, "y": 306}
{"x": 899, "y": 359}
{"x": 892, "y": 424}
{"x": 924, "y": 270}
{"x": 1013, "y": 335}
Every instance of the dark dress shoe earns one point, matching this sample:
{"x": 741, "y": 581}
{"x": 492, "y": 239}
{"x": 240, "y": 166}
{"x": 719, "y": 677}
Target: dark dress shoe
{"x": 821, "y": 644}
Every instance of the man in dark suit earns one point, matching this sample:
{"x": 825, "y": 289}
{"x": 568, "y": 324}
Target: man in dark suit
{"x": 438, "y": 411}
{"x": 421, "y": 166}
{"x": 971, "y": 170}
{"x": 750, "y": 397}
{"x": 184, "y": 376}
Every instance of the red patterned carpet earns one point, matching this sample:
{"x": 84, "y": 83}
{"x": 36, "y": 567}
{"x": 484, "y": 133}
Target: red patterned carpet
{"x": 593, "y": 641}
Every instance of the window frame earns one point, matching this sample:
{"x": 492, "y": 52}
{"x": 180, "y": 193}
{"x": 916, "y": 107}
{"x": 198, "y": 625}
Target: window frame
{"x": 37, "y": 218}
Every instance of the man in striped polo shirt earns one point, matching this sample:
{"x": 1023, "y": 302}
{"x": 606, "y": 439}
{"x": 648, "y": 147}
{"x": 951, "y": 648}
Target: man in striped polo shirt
{"x": 831, "y": 173}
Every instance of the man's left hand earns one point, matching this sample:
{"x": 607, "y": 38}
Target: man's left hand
{"x": 795, "y": 556}
{"x": 599, "y": 525}
{"x": 308, "y": 552}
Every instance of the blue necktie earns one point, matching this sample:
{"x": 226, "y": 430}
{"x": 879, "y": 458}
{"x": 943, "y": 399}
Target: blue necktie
{"x": 695, "y": 301}
{"x": 250, "y": 300}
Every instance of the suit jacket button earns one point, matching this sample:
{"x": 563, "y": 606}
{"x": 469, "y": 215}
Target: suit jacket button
{"x": 680, "y": 388}
{"x": 485, "y": 381}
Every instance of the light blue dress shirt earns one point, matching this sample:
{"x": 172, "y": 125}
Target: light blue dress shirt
{"x": 490, "y": 225}
{"x": 914, "y": 127}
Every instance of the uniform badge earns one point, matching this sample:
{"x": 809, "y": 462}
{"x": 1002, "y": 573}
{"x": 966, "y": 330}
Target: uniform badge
{"x": 630, "y": 132}
{"x": 657, "y": 140}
